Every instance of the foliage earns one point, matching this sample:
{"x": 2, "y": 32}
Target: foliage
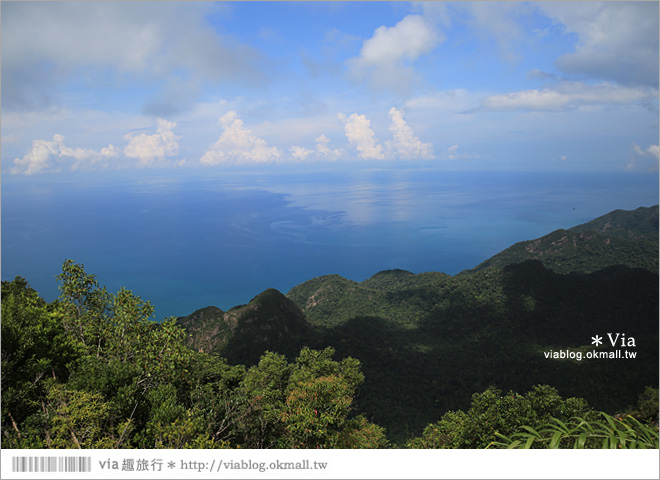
{"x": 35, "y": 347}
{"x": 493, "y": 414}
{"x": 92, "y": 370}
{"x": 607, "y": 432}
{"x": 647, "y": 406}
{"x": 305, "y": 404}
{"x": 83, "y": 304}
{"x": 76, "y": 419}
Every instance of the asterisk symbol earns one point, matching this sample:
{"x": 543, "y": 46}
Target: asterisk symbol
{"x": 171, "y": 465}
{"x": 597, "y": 340}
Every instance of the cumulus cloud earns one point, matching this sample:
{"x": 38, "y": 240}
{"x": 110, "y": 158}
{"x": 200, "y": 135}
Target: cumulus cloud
{"x": 404, "y": 143}
{"x": 237, "y": 145}
{"x": 385, "y": 58}
{"x": 361, "y": 136}
{"x": 567, "y": 96}
{"x": 324, "y": 151}
{"x": 300, "y": 153}
{"x": 647, "y": 159}
{"x": 52, "y": 155}
{"x": 149, "y": 148}
{"x": 616, "y": 40}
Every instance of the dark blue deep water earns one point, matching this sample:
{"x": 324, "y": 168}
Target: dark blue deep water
{"x": 190, "y": 240}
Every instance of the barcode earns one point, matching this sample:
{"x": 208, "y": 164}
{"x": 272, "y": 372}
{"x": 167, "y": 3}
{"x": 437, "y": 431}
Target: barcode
{"x": 51, "y": 464}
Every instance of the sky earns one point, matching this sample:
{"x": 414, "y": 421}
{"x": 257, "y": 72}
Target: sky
{"x": 110, "y": 86}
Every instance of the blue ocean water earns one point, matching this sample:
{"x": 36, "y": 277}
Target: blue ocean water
{"x": 190, "y": 240}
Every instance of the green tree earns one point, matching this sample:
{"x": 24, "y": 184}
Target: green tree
{"x": 35, "y": 347}
{"x": 493, "y": 414}
{"x": 262, "y": 396}
{"x": 83, "y": 303}
{"x": 305, "y": 404}
{"x": 315, "y": 412}
{"x": 76, "y": 419}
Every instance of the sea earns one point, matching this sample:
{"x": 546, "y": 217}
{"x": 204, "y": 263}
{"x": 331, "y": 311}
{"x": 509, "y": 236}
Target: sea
{"x": 187, "y": 239}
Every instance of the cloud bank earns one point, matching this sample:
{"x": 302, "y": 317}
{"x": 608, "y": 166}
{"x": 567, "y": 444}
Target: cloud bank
{"x": 568, "y": 96}
{"x": 55, "y": 155}
{"x": 50, "y": 155}
{"x": 237, "y": 145}
{"x": 168, "y": 44}
{"x": 617, "y": 40}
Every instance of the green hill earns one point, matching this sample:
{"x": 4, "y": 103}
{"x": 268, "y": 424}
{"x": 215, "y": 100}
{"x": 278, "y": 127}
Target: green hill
{"x": 618, "y": 238}
{"x": 270, "y": 321}
{"x": 428, "y": 341}
{"x": 639, "y": 224}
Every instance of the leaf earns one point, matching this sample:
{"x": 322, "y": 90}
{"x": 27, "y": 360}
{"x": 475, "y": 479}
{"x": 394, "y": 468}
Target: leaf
{"x": 584, "y": 425}
{"x": 532, "y": 431}
{"x": 562, "y": 426}
{"x": 529, "y": 442}
{"x": 581, "y": 440}
{"x": 613, "y": 441}
{"x": 554, "y": 441}
{"x": 609, "y": 419}
{"x": 514, "y": 444}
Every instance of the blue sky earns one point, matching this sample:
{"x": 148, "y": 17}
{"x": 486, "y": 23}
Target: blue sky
{"x": 99, "y": 86}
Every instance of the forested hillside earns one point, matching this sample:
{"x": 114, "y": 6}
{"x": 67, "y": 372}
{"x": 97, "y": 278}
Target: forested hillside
{"x": 618, "y": 238}
{"x": 437, "y": 338}
{"x": 408, "y": 360}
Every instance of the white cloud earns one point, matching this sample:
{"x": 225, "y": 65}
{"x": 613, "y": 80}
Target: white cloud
{"x": 453, "y": 154}
{"x": 300, "y": 154}
{"x": 567, "y": 96}
{"x": 638, "y": 160}
{"x": 52, "y": 155}
{"x": 361, "y": 136}
{"x": 404, "y": 143}
{"x": 324, "y": 151}
{"x": 171, "y": 42}
{"x": 616, "y": 40}
{"x": 385, "y": 57}
{"x": 148, "y": 148}
{"x": 237, "y": 145}
{"x": 321, "y": 152}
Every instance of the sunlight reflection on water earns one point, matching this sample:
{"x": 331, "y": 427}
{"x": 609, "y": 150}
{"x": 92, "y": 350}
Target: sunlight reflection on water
{"x": 221, "y": 239}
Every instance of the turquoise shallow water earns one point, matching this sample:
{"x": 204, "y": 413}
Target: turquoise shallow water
{"x": 188, "y": 241}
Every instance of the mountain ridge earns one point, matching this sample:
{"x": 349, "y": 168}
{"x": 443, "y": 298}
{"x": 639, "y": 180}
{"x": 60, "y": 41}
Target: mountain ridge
{"x": 438, "y": 338}
{"x": 619, "y": 237}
